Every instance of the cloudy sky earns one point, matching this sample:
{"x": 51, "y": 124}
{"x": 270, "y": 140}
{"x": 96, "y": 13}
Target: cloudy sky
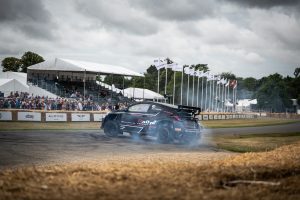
{"x": 248, "y": 38}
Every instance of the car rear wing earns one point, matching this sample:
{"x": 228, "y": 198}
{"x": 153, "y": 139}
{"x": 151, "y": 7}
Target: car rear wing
{"x": 193, "y": 110}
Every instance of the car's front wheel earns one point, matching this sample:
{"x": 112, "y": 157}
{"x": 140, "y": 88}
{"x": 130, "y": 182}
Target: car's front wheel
{"x": 111, "y": 129}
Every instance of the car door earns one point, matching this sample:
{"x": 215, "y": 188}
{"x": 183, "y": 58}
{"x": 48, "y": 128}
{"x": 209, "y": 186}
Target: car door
{"x": 135, "y": 118}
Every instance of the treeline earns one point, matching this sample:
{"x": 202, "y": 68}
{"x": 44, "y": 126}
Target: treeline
{"x": 20, "y": 64}
{"x": 273, "y": 92}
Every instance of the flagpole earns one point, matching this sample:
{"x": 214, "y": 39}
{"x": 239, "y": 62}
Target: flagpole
{"x": 174, "y": 88}
{"x": 228, "y": 96}
{"x": 198, "y": 92}
{"x": 205, "y": 94}
{"x": 158, "y": 82}
{"x": 213, "y": 95}
{"x": 216, "y": 103}
{"x": 193, "y": 89}
{"x": 223, "y": 97}
{"x": 166, "y": 80}
{"x": 202, "y": 92}
{"x": 188, "y": 88}
{"x": 181, "y": 86}
{"x": 219, "y": 105}
{"x": 233, "y": 100}
{"x": 225, "y": 107}
{"x": 209, "y": 101}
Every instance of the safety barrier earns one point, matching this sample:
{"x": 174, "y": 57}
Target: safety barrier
{"x": 90, "y": 116}
{"x": 51, "y": 116}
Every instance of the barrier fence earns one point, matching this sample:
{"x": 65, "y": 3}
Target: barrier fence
{"x": 96, "y": 116}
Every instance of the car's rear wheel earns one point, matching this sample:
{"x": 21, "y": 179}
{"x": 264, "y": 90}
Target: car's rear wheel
{"x": 164, "y": 134}
{"x": 111, "y": 129}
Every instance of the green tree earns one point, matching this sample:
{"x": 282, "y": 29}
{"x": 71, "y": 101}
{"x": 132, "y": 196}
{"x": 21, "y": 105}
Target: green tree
{"x": 11, "y": 64}
{"x": 297, "y": 72}
{"x": 29, "y": 58}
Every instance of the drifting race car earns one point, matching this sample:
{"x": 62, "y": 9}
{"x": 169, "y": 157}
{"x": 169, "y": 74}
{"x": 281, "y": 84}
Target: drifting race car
{"x": 167, "y": 122}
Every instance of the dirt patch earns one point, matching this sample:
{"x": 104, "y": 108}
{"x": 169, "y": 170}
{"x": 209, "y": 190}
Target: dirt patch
{"x": 174, "y": 176}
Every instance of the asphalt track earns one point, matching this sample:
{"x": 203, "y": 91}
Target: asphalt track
{"x": 23, "y": 148}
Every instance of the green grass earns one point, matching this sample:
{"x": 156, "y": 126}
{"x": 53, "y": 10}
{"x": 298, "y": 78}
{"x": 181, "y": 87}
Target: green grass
{"x": 246, "y": 122}
{"x": 254, "y": 142}
{"x": 11, "y": 126}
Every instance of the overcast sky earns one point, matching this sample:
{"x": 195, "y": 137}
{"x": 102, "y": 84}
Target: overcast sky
{"x": 248, "y": 38}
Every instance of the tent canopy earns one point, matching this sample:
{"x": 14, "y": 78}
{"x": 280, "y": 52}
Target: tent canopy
{"x": 137, "y": 93}
{"x": 12, "y": 85}
{"x": 59, "y": 64}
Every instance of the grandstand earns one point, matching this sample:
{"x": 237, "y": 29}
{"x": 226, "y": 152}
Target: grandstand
{"x": 77, "y": 79}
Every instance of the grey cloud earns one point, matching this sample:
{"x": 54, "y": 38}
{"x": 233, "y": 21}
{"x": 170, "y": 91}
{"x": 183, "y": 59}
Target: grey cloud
{"x": 117, "y": 15}
{"x": 265, "y": 3}
{"x": 29, "y": 17}
{"x": 177, "y": 10}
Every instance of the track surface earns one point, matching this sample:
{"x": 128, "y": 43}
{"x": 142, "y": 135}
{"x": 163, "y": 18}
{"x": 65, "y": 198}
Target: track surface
{"x": 21, "y": 148}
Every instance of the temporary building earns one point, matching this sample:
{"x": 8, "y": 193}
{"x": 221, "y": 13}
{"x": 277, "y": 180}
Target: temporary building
{"x": 67, "y": 65}
{"x": 140, "y": 93}
{"x": 12, "y": 85}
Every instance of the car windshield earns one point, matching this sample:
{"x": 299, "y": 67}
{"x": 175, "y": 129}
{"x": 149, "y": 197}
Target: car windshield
{"x": 139, "y": 108}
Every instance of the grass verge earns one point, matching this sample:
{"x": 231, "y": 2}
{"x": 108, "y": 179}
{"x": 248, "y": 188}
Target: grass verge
{"x": 8, "y": 126}
{"x": 254, "y": 142}
{"x": 246, "y": 122}
{"x": 267, "y": 175}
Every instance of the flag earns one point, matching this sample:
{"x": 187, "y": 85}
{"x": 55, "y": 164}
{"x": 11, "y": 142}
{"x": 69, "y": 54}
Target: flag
{"x": 160, "y": 63}
{"x": 210, "y": 77}
{"x": 206, "y": 74}
{"x": 218, "y": 78}
{"x": 176, "y": 67}
{"x": 187, "y": 70}
{"x": 199, "y": 73}
{"x": 227, "y": 83}
{"x": 169, "y": 63}
{"x": 233, "y": 83}
{"x": 224, "y": 81}
{"x": 192, "y": 72}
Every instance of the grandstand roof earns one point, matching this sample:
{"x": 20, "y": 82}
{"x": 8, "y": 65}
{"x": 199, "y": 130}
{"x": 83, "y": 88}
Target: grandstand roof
{"x": 137, "y": 93}
{"x": 59, "y": 64}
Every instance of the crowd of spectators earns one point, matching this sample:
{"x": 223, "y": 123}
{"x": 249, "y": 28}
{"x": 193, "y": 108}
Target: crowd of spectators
{"x": 24, "y": 100}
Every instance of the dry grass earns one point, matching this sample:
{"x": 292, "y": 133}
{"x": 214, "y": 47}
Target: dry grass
{"x": 155, "y": 178}
{"x": 254, "y": 142}
{"x": 246, "y": 122}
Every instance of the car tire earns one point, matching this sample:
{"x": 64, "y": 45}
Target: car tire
{"x": 111, "y": 129}
{"x": 164, "y": 134}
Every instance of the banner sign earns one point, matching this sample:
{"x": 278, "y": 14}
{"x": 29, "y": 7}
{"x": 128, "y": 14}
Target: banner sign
{"x": 29, "y": 116}
{"x": 5, "y": 116}
{"x": 210, "y": 117}
{"x": 205, "y": 117}
{"x": 81, "y": 117}
{"x": 219, "y": 116}
{"x": 223, "y": 117}
{"x": 99, "y": 117}
{"x": 56, "y": 117}
{"x": 215, "y": 116}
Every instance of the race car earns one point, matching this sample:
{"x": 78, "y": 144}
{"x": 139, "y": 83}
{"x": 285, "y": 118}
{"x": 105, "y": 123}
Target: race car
{"x": 168, "y": 123}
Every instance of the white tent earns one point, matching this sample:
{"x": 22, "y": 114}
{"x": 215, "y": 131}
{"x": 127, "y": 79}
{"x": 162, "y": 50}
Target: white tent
{"x": 21, "y": 77}
{"x": 12, "y": 85}
{"x": 244, "y": 104}
{"x": 139, "y": 93}
{"x": 59, "y": 64}
{"x": 17, "y": 81}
